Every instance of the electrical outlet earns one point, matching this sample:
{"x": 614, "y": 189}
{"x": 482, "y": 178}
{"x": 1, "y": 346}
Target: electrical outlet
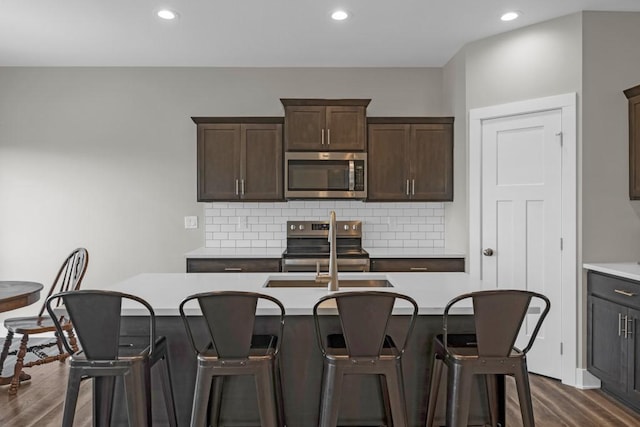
{"x": 190, "y": 222}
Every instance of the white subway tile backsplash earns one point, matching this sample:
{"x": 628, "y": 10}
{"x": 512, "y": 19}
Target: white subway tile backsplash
{"x": 261, "y": 225}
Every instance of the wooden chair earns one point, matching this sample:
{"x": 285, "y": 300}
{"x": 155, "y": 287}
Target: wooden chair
{"x": 69, "y": 278}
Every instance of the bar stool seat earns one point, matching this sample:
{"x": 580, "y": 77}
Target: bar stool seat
{"x": 491, "y": 351}
{"x": 234, "y": 349}
{"x": 363, "y": 348}
{"x": 106, "y": 355}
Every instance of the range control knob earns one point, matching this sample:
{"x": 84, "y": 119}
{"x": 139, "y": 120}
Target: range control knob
{"x": 346, "y": 227}
{"x": 355, "y": 227}
{"x": 292, "y": 227}
{"x": 301, "y": 227}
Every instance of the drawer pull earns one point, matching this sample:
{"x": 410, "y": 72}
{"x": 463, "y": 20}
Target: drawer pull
{"x": 418, "y": 269}
{"x": 625, "y": 293}
{"x": 233, "y": 269}
{"x": 619, "y": 324}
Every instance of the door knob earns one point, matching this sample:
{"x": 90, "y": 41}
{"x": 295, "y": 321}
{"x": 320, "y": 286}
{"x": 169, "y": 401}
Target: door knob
{"x": 487, "y": 252}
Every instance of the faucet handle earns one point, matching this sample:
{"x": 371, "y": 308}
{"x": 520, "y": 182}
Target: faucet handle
{"x": 317, "y": 267}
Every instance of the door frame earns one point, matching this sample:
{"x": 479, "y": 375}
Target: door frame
{"x": 569, "y": 264}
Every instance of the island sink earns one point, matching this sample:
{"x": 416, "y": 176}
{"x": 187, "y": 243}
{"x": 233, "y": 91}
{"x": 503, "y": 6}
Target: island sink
{"x": 311, "y": 283}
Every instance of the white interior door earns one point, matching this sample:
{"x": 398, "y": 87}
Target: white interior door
{"x": 521, "y": 226}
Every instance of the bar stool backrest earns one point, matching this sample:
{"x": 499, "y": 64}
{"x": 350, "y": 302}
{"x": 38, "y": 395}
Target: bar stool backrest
{"x": 364, "y": 318}
{"x": 96, "y": 316}
{"x": 498, "y": 316}
{"x": 230, "y": 318}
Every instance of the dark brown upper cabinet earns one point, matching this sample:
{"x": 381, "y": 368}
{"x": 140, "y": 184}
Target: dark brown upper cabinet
{"x": 633, "y": 95}
{"x": 239, "y": 158}
{"x": 410, "y": 159}
{"x": 325, "y": 124}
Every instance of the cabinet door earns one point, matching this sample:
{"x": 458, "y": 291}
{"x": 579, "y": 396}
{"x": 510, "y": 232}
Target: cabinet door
{"x": 432, "y": 162}
{"x": 388, "y": 173}
{"x": 261, "y": 162}
{"x": 305, "y": 128}
{"x": 633, "y": 378}
{"x": 345, "y": 128}
{"x": 218, "y": 161}
{"x": 606, "y": 347}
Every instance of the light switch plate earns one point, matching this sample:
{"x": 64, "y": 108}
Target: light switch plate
{"x": 190, "y": 222}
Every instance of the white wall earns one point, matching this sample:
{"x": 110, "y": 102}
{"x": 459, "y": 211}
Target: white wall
{"x": 106, "y": 157}
{"x": 611, "y": 228}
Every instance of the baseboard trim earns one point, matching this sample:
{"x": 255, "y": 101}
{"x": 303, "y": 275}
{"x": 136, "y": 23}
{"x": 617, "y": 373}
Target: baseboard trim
{"x": 586, "y": 380}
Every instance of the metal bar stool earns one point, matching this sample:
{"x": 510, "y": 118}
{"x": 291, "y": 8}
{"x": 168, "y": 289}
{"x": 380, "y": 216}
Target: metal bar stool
{"x": 498, "y": 316}
{"x": 363, "y": 348}
{"x": 233, "y": 349}
{"x": 96, "y": 316}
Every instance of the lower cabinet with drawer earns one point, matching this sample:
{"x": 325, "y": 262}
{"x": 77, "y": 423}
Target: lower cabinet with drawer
{"x": 613, "y": 347}
{"x": 233, "y": 265}
{"x": 417, "y": 265}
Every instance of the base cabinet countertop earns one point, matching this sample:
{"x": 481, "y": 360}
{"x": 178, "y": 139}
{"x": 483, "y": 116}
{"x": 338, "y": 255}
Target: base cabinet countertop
{"x": 301, "y": 360}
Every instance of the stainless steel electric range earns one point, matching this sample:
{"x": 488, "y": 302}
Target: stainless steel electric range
{"x": 308, "y": 246}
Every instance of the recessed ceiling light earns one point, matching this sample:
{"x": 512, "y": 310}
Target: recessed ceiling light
{"x": 167, "y": 14}
{"x": 510, "y": 16}
{"x": 339, "y": 15}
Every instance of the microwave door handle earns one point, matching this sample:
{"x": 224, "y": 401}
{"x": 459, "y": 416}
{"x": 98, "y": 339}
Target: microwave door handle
{"x": 352, "y": 176}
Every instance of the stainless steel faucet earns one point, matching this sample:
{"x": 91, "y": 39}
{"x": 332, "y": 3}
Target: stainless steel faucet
{"x": 332, "y": 276}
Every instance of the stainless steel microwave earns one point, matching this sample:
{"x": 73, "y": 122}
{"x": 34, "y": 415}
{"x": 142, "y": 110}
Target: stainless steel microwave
{"x": 325, "y": 175}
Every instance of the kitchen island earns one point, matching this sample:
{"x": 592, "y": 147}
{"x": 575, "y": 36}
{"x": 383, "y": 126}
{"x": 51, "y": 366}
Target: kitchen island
{"x": 301, "y": 360}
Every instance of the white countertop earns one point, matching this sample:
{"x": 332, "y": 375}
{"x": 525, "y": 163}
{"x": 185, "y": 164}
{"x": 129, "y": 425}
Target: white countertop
{"x": 235, "y": 253}
{"x": 165, "y": 291}
{"x": 413, "y": 253}
{"x": 277, "y": 253}
{"x": 627, "y": 270}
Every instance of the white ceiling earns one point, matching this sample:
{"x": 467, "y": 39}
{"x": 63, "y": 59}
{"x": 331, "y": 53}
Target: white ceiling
{"x": 261, "y": 33}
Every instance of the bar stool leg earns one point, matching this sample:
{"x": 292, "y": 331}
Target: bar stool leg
{"x": 279, "y": 397}
{"x": 71, "y": 399}
{"x": 266, "y": 396}
{"x": 216, "y": 400}
{"x": 331, "y": 395}
{"x": 434, "y": 387}
{"x": 458, "y": 395}
{"x": 385, "y": 399}
{"x": 396, "y": 396}
{"x": 138, "y": 403}
{"x": 201, "y": 396}
{"x": 103, "y": 389}
{"x": 492, "y": 397}
{"x": 167, "y": 392}
{"x": 5, "y": 349}
{"x": 524, "y": 395}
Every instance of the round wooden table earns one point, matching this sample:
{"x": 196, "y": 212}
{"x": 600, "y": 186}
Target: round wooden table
{"x": 14, "y": 294}
{"x": 18, "y": 294}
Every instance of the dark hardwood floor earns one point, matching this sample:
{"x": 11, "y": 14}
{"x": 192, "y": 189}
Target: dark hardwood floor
{"x": 40, "y": 401}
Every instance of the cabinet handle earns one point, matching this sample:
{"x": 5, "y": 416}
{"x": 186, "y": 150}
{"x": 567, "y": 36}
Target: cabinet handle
{"x": 407, "y": 187}
{"x": 418, "y": 269}
{"x": 242, "y": 187}
{"x": 627, "y": 329}
{"x": 413, "y": 187}
{"x": 322, "y": 137}
{"x": 619, "y": 324}
{"x": 237, "y": 187}
{"x": 233, "y": 269}
{"x": 328, "y": 136}
{"x": 625, "y": 293}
